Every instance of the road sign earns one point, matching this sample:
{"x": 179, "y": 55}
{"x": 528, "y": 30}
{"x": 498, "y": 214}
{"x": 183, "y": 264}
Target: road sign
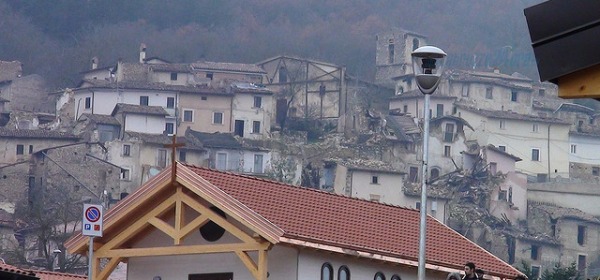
{"x": 92, "y": 220}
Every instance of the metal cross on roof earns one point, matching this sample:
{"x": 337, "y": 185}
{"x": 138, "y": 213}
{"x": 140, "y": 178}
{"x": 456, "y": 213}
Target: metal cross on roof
{"x": 173, "y": 147}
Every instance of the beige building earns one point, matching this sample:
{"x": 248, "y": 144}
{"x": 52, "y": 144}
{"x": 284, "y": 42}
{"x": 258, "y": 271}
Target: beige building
{"x": 207, "y": 110}
{"x": 542, "y": 142}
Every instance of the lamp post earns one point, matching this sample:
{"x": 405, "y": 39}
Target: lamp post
{"x": 428, "y": 65}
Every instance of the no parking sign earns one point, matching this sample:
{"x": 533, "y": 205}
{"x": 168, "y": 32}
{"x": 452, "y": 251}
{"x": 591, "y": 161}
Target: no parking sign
{"x": 92, "y": 220}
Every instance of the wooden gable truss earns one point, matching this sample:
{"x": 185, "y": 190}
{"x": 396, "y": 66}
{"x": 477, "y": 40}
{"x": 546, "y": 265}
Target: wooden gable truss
{"x": 164, "y": 206}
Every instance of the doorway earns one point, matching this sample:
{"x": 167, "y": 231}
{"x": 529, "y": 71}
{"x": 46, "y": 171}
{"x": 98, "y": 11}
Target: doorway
{"x": 211, "y": 276}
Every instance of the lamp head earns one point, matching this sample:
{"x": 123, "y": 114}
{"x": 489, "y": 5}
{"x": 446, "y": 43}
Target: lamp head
{"x": 428, "y": 65}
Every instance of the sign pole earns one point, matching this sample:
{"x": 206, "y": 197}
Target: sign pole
{"x": 90, "y": 258}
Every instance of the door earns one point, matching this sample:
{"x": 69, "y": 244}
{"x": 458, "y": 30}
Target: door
{"x": 211, "y": 276}
{"x": 239, "y": 128}
{"x": 258, "y": 163}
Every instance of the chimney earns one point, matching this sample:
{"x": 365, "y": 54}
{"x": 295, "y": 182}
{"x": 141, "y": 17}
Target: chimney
{"x": 94, "y": 62}
{"x": 142, "y": 53}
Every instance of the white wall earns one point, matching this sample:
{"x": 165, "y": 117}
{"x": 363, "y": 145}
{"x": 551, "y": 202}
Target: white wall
{"x": 586, "y": 149}
{"x": 145, "y": 123}
{"x": 243, "y": 109}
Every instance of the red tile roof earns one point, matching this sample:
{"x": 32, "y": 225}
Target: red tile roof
{"x": 52, "y": 275}
{"x": 330, "y": 219}
{"x": 41, "y": 274}
{"x": 15, "y": 270}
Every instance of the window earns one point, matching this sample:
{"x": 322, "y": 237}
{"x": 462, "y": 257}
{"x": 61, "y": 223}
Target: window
{"x": 203, "y": 98}
{"x": 449, "y": 133}
{"x": 535, "y": 272}
{"x": 218, "y": 118}
{"x": 581, "y": 235}
{"x": 488, "y": 93}
{"x": 30, "y": 149}
{"x": 581, "y": 264}
{"x": 171, "y": 102}
{"x": 188, "y": 115}
{"x": 502, "y": 124}
{"x": 447, "y": 151}
{"x": 258, "y": 163}
{"x": 596, "y": 171}
{"x": 418, "y": 205}
{"x": 255, "y": 127}
{"x": 343, "y": 273}
{"x": 125, "y": 174}
{"x": 375, "y": 180}
{"x": 126, "y": 150}
{"x": 161, "y": 159}
{"x": 535, "y": 128}
{"x": 282, "y": 75}
{"x": 221, "y": 161}
{"x": 326, "y": 272}
{"x": 257, "y": 102}
{"x": 379, "y": 276}
{"x": 88, "y": 102}
{"x": 182, "y": 156}
{"x": 405, "y": 109}
{"x": 395, "y": 277}
{"x": 502, "y": 148}
{"x": 573, "y": 149}
{"x": 535, "y": 154}
{"x": 439, "y": 110}
{"x": 542, "y": 92}
{"x": 322, "y": 89}
{"x": 144, "y": 100}
{"x": 513, "y": 96}
{"x": 534, "y": 252}
{"x": 391, "y": 52}
{"x": 169, "y": 128}
{"x": 173, "y": 76}
{"x": 502, "y": 194}
{"x": 465, "y": 90}
{"x": 493, "y": 168}
{"x": 435, "y": 173}
{"x": 412, "y": 174}
{"x": 415, "y": 44}
{"x": 20, "y": 149}
{"x": 510, "y": 195}
{"x": 209, "y": 75}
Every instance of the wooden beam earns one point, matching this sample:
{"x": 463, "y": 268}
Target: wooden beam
{"x": 249, "y": 263}
{"x": 262, "y": 265}
{"x": 138, "y": 225}
{"x": 96, "y": 267}
{"x": 581, "y": 84}
{"x": 179, "y": 215}
{"x": 180, "y": 250}
{"x": 164, "y": 227}
{"x": 191, "y": 226}
{"x": 229, "y": 227}
{"x": 109, "y": 268}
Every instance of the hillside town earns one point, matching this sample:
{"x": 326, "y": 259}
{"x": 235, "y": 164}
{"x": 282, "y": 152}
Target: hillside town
{"x": 512, "y": 167}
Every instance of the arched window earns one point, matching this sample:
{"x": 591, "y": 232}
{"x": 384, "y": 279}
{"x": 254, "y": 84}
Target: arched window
{"x": 344, "y": 273}
{"x": 326, "y": 272}
{"x": 396, "y": 277}
{"x": 379, "y": 276}
{"x": 415, "y": 44}
{"x": 434, "y": 173}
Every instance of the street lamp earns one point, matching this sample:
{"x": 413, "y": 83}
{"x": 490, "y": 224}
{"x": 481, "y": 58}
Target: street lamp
{"x": 428, "y": 65}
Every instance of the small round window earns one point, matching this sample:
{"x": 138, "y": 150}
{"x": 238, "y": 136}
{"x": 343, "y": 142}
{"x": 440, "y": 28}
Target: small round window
{"x": 211, "y": 231}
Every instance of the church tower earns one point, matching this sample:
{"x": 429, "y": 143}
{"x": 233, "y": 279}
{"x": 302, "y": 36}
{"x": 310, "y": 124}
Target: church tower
{"x": 393, "y": 61}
